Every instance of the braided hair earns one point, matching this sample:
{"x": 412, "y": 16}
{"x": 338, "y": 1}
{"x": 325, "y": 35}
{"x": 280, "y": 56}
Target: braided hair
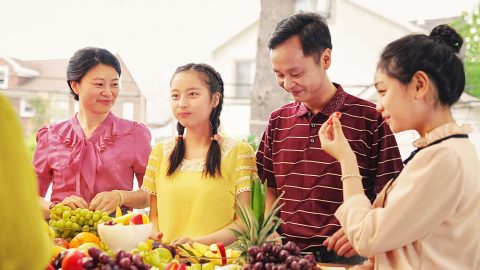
{"x": 214, "y": 156}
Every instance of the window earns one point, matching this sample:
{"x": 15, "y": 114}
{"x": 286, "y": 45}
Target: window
{"x": 3, "y": 77}
{"x": 323, "y": 7}
{"x": 128, "y": 110}
{"x": 26, "y": 109}
{"x": 244, "y": 75}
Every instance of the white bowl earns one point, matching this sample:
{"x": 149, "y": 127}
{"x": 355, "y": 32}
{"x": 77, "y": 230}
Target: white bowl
{"x": 126, "y": 237}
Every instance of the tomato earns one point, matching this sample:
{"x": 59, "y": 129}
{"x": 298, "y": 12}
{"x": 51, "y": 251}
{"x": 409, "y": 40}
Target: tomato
{"x": 73, "y": 260}
{"x": 84, "y": 237}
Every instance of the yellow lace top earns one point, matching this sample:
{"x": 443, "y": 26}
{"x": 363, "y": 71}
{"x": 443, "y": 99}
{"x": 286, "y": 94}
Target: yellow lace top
{"x": 190, "y": 204}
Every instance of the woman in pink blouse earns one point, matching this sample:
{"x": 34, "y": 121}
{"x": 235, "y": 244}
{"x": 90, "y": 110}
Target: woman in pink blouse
{"x": 91, "y": 159}
{"x": 428, "y": 218}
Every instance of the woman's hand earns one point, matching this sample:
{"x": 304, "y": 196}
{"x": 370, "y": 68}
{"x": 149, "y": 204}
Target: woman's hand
{"x": 106, "y": 201}
{"x": 181, "y": 240}
{"x": 340, "y": 244}
{"x": 333, "y": 140}
{"x": 75, "y": 202}
{"x": 156, "y": 236}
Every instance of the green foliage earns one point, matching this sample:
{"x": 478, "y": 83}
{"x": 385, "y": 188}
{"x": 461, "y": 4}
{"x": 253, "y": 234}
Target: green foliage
{"x": 472, "y": 72}
{"x": 30, "y": 142}
{"x": 468, "y": 26}
{"x": 252, "y": 140}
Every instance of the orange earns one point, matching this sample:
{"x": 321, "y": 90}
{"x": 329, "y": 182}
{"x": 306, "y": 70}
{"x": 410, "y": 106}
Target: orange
{"x": 84, "y": 237}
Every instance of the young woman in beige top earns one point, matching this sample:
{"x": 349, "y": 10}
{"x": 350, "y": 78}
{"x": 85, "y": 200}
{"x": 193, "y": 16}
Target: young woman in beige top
{"x": 428, "y": 218}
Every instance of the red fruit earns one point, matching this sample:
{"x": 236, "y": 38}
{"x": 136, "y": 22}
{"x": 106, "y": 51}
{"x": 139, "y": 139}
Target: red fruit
{"x": 182, "y": 266}
{"x": 60, "y": 242}
{"x": 221, "y": 248}
{"x": 73, "y": 260}
{"x": 136, "y": 220}
{"x": 171, "y": 266}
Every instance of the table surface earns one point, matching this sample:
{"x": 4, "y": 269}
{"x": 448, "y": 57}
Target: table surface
{"x": 331, "y": 266}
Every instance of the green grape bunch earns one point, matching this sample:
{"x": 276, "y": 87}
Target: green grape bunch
{"x": 67, "y": 222}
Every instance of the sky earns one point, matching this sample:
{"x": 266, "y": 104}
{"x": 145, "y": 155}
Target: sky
{"x": 153, "y": 37}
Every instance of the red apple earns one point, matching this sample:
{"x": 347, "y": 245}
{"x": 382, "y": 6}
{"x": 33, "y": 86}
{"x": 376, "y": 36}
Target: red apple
{"x": 73, "y": 260}
{"x": 60, "y": 242}
{"x": 136, "y": 220}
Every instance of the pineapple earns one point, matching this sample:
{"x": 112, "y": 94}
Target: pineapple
{"x": 257, "y": 225}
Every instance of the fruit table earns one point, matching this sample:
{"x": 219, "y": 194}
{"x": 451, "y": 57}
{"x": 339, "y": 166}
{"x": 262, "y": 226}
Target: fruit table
{"x": 333, "y": 266}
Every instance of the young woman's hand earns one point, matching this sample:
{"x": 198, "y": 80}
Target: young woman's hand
{"x": 181, "y": 240}
{"x": 340, "y": 244}
{"x": 105, "y": 201}
{"x": 157, "y": 236}
{"x": 333, "y": 140}
{"x": 75, "y": 202}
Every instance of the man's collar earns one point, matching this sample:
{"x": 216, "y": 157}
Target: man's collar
{"x": 333, "y": 105}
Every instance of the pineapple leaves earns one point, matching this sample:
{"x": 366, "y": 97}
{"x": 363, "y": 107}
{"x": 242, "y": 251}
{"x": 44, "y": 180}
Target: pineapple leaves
{"x": 257, "y": 224}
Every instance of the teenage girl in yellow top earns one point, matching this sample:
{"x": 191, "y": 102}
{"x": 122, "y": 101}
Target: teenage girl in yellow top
{"x": 193, "y": 177}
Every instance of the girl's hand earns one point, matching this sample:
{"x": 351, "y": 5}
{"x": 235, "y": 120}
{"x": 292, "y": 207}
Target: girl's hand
{"x": 333, "y": 140}
{"x": 75, "y": 202}
{"x": 105, "y": 201}
{"x": 275, "y": 237}
{"x": 156, "y": 236}
{"x": 181, "y": 240}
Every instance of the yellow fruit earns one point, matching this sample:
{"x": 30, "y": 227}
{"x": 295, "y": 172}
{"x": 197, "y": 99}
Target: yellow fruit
{"x": 85, "y": 246}
{"x": 84, "y": 237}
{"x": 200, "y": 247}
{"x": 118, "y": 212}
{"x": 49, "y": 229}
{"x": 124, "y": 219}
{"x": 145, "y": 219}
{"x": 56, "y": 250}
{"x": 208, "y": 266}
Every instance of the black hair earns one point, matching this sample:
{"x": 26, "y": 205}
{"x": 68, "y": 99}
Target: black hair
{"x": 435, "y": 54}
{"x": 214, "y": 156}
{"x": 312, "y": 30}
{"x": 85, "y": 59}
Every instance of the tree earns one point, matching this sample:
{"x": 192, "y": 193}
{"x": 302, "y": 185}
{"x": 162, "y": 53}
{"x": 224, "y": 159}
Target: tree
{"x": 266, "y": 94}
{"x": 468, "y": 26}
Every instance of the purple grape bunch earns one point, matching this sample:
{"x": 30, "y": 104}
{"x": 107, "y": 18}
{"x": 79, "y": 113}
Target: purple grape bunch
{"x": 100, "y": 260}
{"x": 279, "y": 257}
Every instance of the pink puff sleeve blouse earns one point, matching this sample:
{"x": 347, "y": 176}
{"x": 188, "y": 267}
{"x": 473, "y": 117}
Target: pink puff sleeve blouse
{"x": 117, "y": 151}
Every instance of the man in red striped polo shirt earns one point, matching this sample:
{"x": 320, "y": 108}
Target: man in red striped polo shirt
{"x": 290, "y": 157}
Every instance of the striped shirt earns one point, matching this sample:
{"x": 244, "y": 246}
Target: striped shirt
{"x": 291, "y": 160}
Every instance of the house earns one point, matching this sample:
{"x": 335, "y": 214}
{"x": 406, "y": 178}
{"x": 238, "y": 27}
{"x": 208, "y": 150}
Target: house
{"x": 39, "y": 92}
{"x": 358, "y": 36}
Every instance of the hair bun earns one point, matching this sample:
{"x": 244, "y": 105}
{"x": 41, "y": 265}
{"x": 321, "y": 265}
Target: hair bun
{"x": 448, "y": 35}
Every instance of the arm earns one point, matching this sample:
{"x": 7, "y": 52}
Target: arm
{"x": 42, "y": 169}
{"x": 424, "y": 196}
{"x": 414, "y": 205}
{"x": 139, "y": 198}
{"x": 333, "y": 142}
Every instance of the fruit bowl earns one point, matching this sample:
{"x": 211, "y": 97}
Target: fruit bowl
{"x": 124, "y": 237}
